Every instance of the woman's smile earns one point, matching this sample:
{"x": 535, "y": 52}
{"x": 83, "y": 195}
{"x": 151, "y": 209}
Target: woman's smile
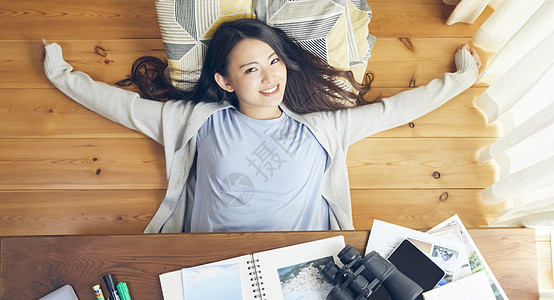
{"x": 271, "y": 92}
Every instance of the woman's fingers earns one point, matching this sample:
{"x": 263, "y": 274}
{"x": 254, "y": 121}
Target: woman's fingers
{"x": 473, "y": 53}
{"x": 42, "y": 50}
{"x": 475, "y": 57}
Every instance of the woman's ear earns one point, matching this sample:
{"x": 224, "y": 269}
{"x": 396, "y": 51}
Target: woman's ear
{"x": 224, "y": 83}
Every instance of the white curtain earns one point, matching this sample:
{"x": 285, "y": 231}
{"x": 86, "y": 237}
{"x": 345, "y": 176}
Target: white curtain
{"x": 521, "y": 98}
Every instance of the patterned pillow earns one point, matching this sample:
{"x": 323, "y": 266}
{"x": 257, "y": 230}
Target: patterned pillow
{"x": 335, "y": 30}
{"x": 186, "y": 27}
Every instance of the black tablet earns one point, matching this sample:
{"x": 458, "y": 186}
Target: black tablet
{"x": 416, "y": 265}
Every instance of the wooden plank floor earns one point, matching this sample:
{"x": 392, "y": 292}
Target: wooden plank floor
{"x": 65, "y": 170}
{"x": 544, "y": 257}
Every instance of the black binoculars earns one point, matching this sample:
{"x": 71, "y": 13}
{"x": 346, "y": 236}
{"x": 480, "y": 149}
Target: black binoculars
{"x": 360, "y": 277}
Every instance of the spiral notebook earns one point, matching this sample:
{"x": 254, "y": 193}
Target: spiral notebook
{"x": 285, "y": 273}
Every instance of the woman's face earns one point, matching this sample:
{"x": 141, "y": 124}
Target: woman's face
{"x": 257, "y": 76}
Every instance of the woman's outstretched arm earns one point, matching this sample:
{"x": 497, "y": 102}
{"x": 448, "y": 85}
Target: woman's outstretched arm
{"x": 409, "y": 105}
{"x": 121, "y": 106}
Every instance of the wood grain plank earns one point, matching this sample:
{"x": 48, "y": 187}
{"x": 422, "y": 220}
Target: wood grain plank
{"x": 511, "y": 255}
{"x": 33, "y": 266}
{"x": 418, "y": 18}
{"x": 81, "y": 164}
{"x": 47, "y": 113}
{"x": 393, "y": 63}
{"x": 421, "y": 209}
{"x": 459, "y": 117}
{"x": 396, "y": 163}
{"x": 104, "y": 60}
{"x": 409, "y": 62}
{"x": 544, "y": 261}
{"x": 71, "y": 212}
{"x": 139, "y": 163}
{"x": 34, "y": 19}
{"x": 137, "y": 19}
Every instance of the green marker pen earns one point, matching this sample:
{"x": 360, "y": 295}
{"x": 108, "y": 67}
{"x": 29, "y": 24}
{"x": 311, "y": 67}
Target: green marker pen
{"x": 123, "y": 291}
{"x": 127, "y": 294}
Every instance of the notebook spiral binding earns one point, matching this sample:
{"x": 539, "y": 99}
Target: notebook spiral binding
{"x": 256, "y": 279}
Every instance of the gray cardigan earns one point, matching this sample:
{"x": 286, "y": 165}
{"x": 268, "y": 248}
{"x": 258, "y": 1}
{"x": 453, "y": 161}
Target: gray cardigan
{"x": 174, "y": 124}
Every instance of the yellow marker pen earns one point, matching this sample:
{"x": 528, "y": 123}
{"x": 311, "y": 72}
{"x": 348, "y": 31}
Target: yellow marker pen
{"x": 98, "y": 292}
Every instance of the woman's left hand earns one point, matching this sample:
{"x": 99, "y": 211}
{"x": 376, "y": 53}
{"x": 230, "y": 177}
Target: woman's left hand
{"x": 43, "y": 51}
{"x": 473, "y": 53}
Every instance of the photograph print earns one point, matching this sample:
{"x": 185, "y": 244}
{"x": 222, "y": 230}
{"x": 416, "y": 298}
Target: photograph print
{"x": 303, "y": 281}
{"x": 213, "y": 282}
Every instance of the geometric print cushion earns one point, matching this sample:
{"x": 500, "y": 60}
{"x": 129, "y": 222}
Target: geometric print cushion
{"x": 335, "y": 30}
{"x": 187, "y": 26}
{"x": 360, "y": 41}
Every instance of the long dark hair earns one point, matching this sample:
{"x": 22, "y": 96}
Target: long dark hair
{"x": 312, "y": 84}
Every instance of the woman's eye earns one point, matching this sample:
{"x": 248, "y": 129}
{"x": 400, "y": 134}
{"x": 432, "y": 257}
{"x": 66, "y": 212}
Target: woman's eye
{"x": 249, "y": 70}
{"x": 276, "y": 60}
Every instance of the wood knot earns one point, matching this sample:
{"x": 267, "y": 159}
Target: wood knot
{"x": 407, "y": 43}
{"x": 412, "y": 82}
{"x": 413, "y": 79}
{"x": 436, "y": 175}
{"x": 51, "y": 111}
{"x": 101, "y": 51}
{"x": 443, "y": 197}
{"x": 98, "y": 171}
{"x": 104, "y": 53}
{"x": 411, "y": 124}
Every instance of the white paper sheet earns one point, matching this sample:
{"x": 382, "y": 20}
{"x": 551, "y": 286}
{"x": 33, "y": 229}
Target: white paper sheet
{"x": 447, "y": 254}
{"x": 476, "y": 261}
{"x": 474, "y": 286}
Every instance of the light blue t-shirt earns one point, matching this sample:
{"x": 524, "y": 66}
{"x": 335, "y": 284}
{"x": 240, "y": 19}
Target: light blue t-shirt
{"x": 258, "y": 175}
